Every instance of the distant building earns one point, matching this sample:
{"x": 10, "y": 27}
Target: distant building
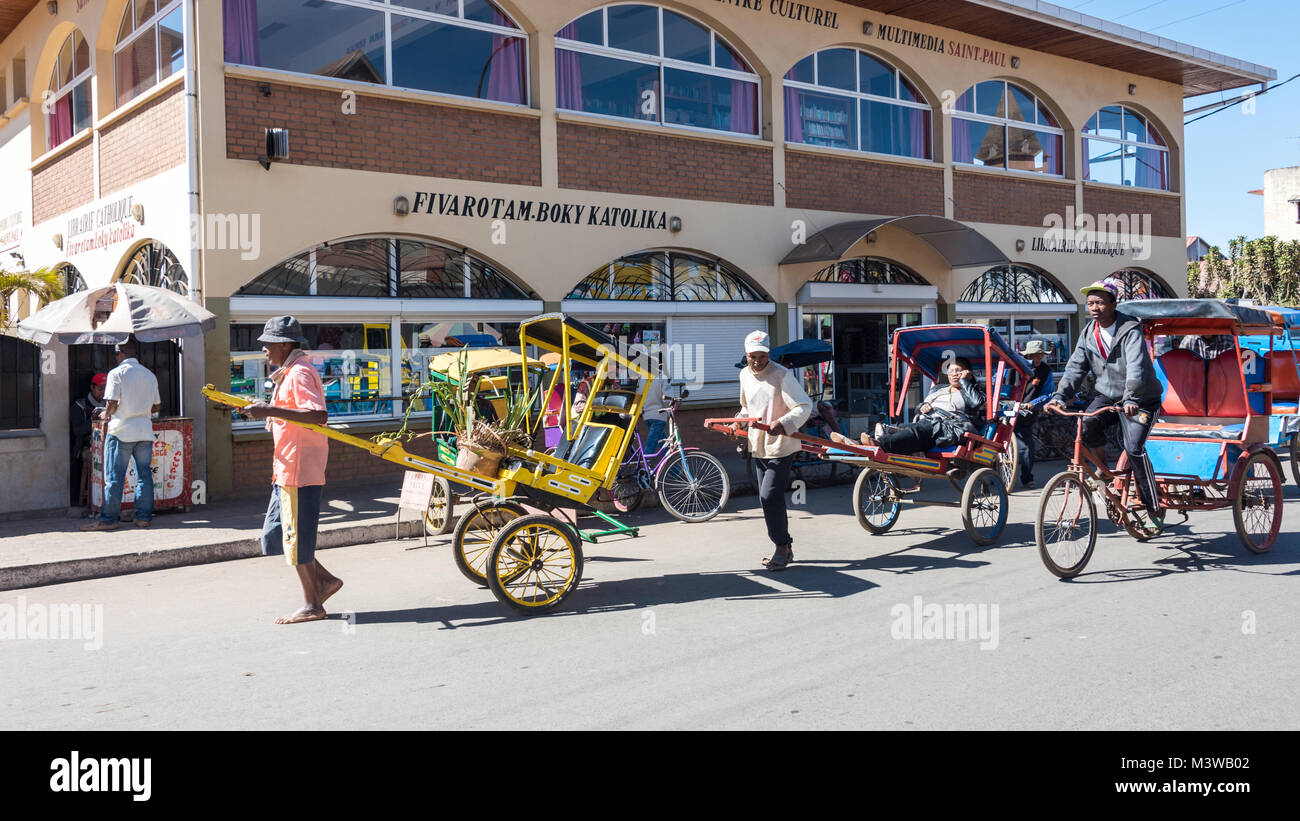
{"x": 1281, "y": 194}
{"x": 1197, "y": 249}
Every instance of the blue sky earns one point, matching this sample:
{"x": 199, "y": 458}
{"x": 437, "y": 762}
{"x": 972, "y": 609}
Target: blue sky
{"x": 1228, "y": 153}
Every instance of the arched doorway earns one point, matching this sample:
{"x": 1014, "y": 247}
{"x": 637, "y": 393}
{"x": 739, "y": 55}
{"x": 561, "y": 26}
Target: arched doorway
{"x": 1022, "y": 303}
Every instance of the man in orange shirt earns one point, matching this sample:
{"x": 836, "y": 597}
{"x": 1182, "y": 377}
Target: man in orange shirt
{"x": 298, "y": 466}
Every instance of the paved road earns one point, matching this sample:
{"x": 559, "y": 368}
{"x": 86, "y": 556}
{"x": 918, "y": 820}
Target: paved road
{"x": 676, "y": 629}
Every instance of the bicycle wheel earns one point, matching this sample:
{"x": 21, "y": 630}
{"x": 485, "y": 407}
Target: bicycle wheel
{"x": 1066, "y": 528}
{"x": 536, "y": 563}
{"x": 1257, "y": 507}
{"x": 1295, "y": 457}
{"x": 875, "y": 501}
{"x": 475, "y": 532}
{"x": 693, "y": 486}
{"x": 1009, "y": 464}
{"x": 625, "y": 495}
{"x": 984, "y": 506}
{"x": 439, "y": 518}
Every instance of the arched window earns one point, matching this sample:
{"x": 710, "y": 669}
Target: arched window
{"x": 644, "y": 63}
{"x": 1013, "y": 284}
{"x": 150, "y": 46}
{"x": 868, "y": 271}
{"x": 153, "y": 264}
{"x": 68, "y": 105}
{"x": 997, "y": 124}
{"x": 467, "y": 48}
{"x": 845, "y": 98}
{"x": 1121, "y": 147}
{"x": 666, "y": 276}
{"x": 1139, "y": 284}
{"x": 73, "y": 282}
{"x": 385, "y": 267}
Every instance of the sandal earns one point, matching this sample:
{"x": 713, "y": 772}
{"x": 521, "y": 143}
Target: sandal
{"x": 780, "y": 559}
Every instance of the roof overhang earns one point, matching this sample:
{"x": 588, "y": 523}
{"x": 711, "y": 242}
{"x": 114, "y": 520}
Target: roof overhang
{"x": 1066, "y": 33}
{"x": 12, "y": 13}
{"x": 960, "y": 245}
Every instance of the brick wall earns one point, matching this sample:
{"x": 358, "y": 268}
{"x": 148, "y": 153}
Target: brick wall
{"x": 347, "y": 464}
{"x": 862, "y": 186}
{"x": 386, "y": 135}
{"x": 63, "y": 183}
{"x": 624, "y": 161}
{"x": 146, "y": 142}
{"x": 1006, "y": 200}
{"x": 1166, "y": 216}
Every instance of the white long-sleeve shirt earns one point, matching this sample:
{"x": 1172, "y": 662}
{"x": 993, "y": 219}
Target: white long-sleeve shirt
{"x": 772, "y": 396}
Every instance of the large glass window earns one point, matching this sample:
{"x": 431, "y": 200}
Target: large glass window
{"x": 996, "y": 124}
{"x": 845, "y": 98}
{"x": 1013, "y": 284}
{"x": 641, "y": 62}
{"x": 1018, "y": 285}
{"x": 868, "y": 271}
{"x": 150, "y": 46}
{"x": 1121, "y": 147}
{"x": 154, "y": 264}
{"x": 667, "y": 276}
{"x": 20, "y": 384}
{"x": 1140, "y": 284}
{"x": 68, "y": 103}
{"x": 468, "y": 48}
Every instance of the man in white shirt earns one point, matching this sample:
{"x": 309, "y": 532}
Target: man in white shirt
{"x": 771, "y": 393}
{"x": 132, "y": 399}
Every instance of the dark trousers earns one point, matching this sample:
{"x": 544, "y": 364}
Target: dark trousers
{"x": 1135, "y": 431}
{"x": 916, "y": 437}
{"x": 773, "y": 478}
{"x": 1025, "y": 441}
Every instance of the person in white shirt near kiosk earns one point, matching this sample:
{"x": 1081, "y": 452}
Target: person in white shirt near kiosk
{"x": 132, "y": 399}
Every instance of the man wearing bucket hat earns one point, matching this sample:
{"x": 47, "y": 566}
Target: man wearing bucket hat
{"x": 771, "y": 393}
{"x": 1112, "y": 348}
{"x": 1037, "y": 392}
{"x": 298, "y": 464}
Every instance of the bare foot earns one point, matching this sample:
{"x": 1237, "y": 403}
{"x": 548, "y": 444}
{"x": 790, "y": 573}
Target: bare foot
{"x": 867, "y": 442}
{"x": 305, "y": 614}
{"x": 329, "y": 588}
{"x": 840, "y": 438}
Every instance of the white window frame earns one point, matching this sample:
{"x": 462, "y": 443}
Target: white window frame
{"x": 67, "y": 88}
{"x": 858, "y": 95}
{"x": 1007, "y": 124}
{"x": 1126, "y": 143}
{"x": 388, "y": 10}
{"x": 662, "y": 63}
{"x": 137, "y": 34}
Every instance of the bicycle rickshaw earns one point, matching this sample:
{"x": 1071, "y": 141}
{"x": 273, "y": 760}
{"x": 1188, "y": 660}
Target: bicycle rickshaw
{"x": 974, "y": 467}
{"x": 1208, "y": 449}
{"x": 534, "y": 561}
{"x": 1282, "y": 356}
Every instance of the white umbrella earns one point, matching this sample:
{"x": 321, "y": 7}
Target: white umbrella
{"x": 107, "y": 316}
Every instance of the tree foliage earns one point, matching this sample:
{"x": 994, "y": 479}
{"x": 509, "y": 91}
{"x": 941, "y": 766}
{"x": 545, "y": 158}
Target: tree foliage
{"x": 1266, "y": 270}
{"x": 44, "y": 283}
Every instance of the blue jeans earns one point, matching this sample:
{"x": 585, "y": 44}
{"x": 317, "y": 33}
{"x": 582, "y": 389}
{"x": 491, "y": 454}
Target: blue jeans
{"x": 658, "y": 428}
{"x": 116, "y": 456}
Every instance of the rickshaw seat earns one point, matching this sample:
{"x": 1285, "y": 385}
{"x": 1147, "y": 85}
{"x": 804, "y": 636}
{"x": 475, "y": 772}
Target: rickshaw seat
{"x": 1183, "y": 374}
{"x": 1223, "y": 391}
{"x": 1195, "y": 431}
{"x": 1286, "y": 407}
{"x": 586, "y": 450}
{"x": 1282, "y": 373}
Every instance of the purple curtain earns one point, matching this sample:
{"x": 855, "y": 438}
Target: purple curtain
{"x": 506, "y": 72}
{"x": 1151, "y": 169}
{"x": 744, "y": 107}
{"x": 793, "y": 117}
{"x": 61, "y": 121}
{"x": 1087, "y": 166}
{"x": 918, "y": 133}
{"x": 568, "y": 73}
{"x": 962, "y": 151}
{"x": 242, "y": 44}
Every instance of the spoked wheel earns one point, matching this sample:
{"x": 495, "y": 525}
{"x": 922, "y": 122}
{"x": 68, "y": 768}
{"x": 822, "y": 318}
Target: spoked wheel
{"x": 984, "y": 506}
{"x": 1066, "y": 528}
{"x": 536, "y": 563}
{"x": 626, "y": 493}
{"x": 875, "y": 501}
{"x": 438, "y": 519}
{"x": 819, "y": 472}
{"x": 693, "y": 486}
{"x": 1257, "y": 508}
{"x": 475, "y": 532}
{"x": 1142, "y": 526}
{"x": 1009, "y": 463}
{"x": 1295, "y": 457}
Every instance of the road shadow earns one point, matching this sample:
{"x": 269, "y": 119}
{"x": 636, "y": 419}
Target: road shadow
{"x": 1191, "y": 552}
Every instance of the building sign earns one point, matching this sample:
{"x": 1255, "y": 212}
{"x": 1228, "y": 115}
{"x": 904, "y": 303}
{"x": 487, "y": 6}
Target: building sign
{"x": 953, "y": 48}
{"x": 1074, "y": 246}
{"x": 99, "y": 228}
{"x": 11, "y": 231}
{"x": 556, "y": 213}
{"x": 790, "y": 10}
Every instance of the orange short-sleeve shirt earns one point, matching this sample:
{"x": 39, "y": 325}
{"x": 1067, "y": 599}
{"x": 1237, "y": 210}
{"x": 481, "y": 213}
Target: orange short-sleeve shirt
{"x": 300, "y": 454}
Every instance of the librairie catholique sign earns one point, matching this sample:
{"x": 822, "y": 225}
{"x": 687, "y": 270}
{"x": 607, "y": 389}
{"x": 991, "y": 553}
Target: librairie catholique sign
{"x": 555, "y": 213}
{"x": 789, "y": 10}
{"x": 99, "y": 227}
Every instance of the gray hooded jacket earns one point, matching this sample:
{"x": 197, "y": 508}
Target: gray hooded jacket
{"x": 1126, "y": 374}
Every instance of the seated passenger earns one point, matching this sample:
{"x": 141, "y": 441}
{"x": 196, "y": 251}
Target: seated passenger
{"x": 949, "y": 411}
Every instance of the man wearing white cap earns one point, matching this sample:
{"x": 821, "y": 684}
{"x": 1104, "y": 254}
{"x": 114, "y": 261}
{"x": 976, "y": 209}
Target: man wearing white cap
{"x": 772, "y": 394}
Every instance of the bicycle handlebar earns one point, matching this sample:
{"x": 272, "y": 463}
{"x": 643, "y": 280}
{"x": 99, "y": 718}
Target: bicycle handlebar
{"x": 1052, "y": 407}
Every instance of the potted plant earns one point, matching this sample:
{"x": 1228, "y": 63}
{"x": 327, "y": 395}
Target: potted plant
{"x": 481, "y": 441}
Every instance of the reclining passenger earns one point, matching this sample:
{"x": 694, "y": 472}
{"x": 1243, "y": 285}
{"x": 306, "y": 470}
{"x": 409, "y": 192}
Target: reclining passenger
{"x": 949, "y": 412}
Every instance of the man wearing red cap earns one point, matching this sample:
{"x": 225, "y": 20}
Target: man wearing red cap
{"x": 81, "y": 420}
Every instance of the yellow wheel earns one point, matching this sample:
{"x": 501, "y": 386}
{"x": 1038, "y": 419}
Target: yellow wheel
{"x": 438, "y": 519}
{"x": 475, "y": 532}
{"x": 536, "y": 563}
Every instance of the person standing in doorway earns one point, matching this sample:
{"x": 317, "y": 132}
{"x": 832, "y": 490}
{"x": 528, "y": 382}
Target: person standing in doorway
{"x": 81, "y": 422}
{"x": 298, "y": 464}
{"x": 771, "y": 393}
{"x": 131, "y": 399}
{"x": 1037, "y": 392}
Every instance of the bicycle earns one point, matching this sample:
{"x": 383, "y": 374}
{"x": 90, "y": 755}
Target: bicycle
{"x": 692, "y": 485}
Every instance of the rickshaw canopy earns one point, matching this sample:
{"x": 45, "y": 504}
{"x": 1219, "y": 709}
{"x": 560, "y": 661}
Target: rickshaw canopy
{"x": 481, "y": 359}
{"x": 1202, "y": 317}
{"x": 925, "y": 348}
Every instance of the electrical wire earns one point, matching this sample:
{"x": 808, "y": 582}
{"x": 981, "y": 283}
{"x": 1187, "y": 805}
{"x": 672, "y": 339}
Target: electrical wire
{"x": 1200, "y": 14}
{"x": 1242, "y": 100}
{"x": 1144, "y": 8}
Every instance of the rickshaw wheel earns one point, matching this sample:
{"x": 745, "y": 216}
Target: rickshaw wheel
{"x": 875, "y": 501}
{"x": 475, "y": 532}
{"x": 1141, "y": 526}
{"x": 984, "y": 506}
{"x": 439, "y": 518}
{"x": 1256, "y": 506}
{"x": 1009, "y": 463}
{"x": 697, "y": 497}
{"x": 1295, "y": 457}
{"x": 1066, "y": 527}
{"x": 536, "y": 563}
